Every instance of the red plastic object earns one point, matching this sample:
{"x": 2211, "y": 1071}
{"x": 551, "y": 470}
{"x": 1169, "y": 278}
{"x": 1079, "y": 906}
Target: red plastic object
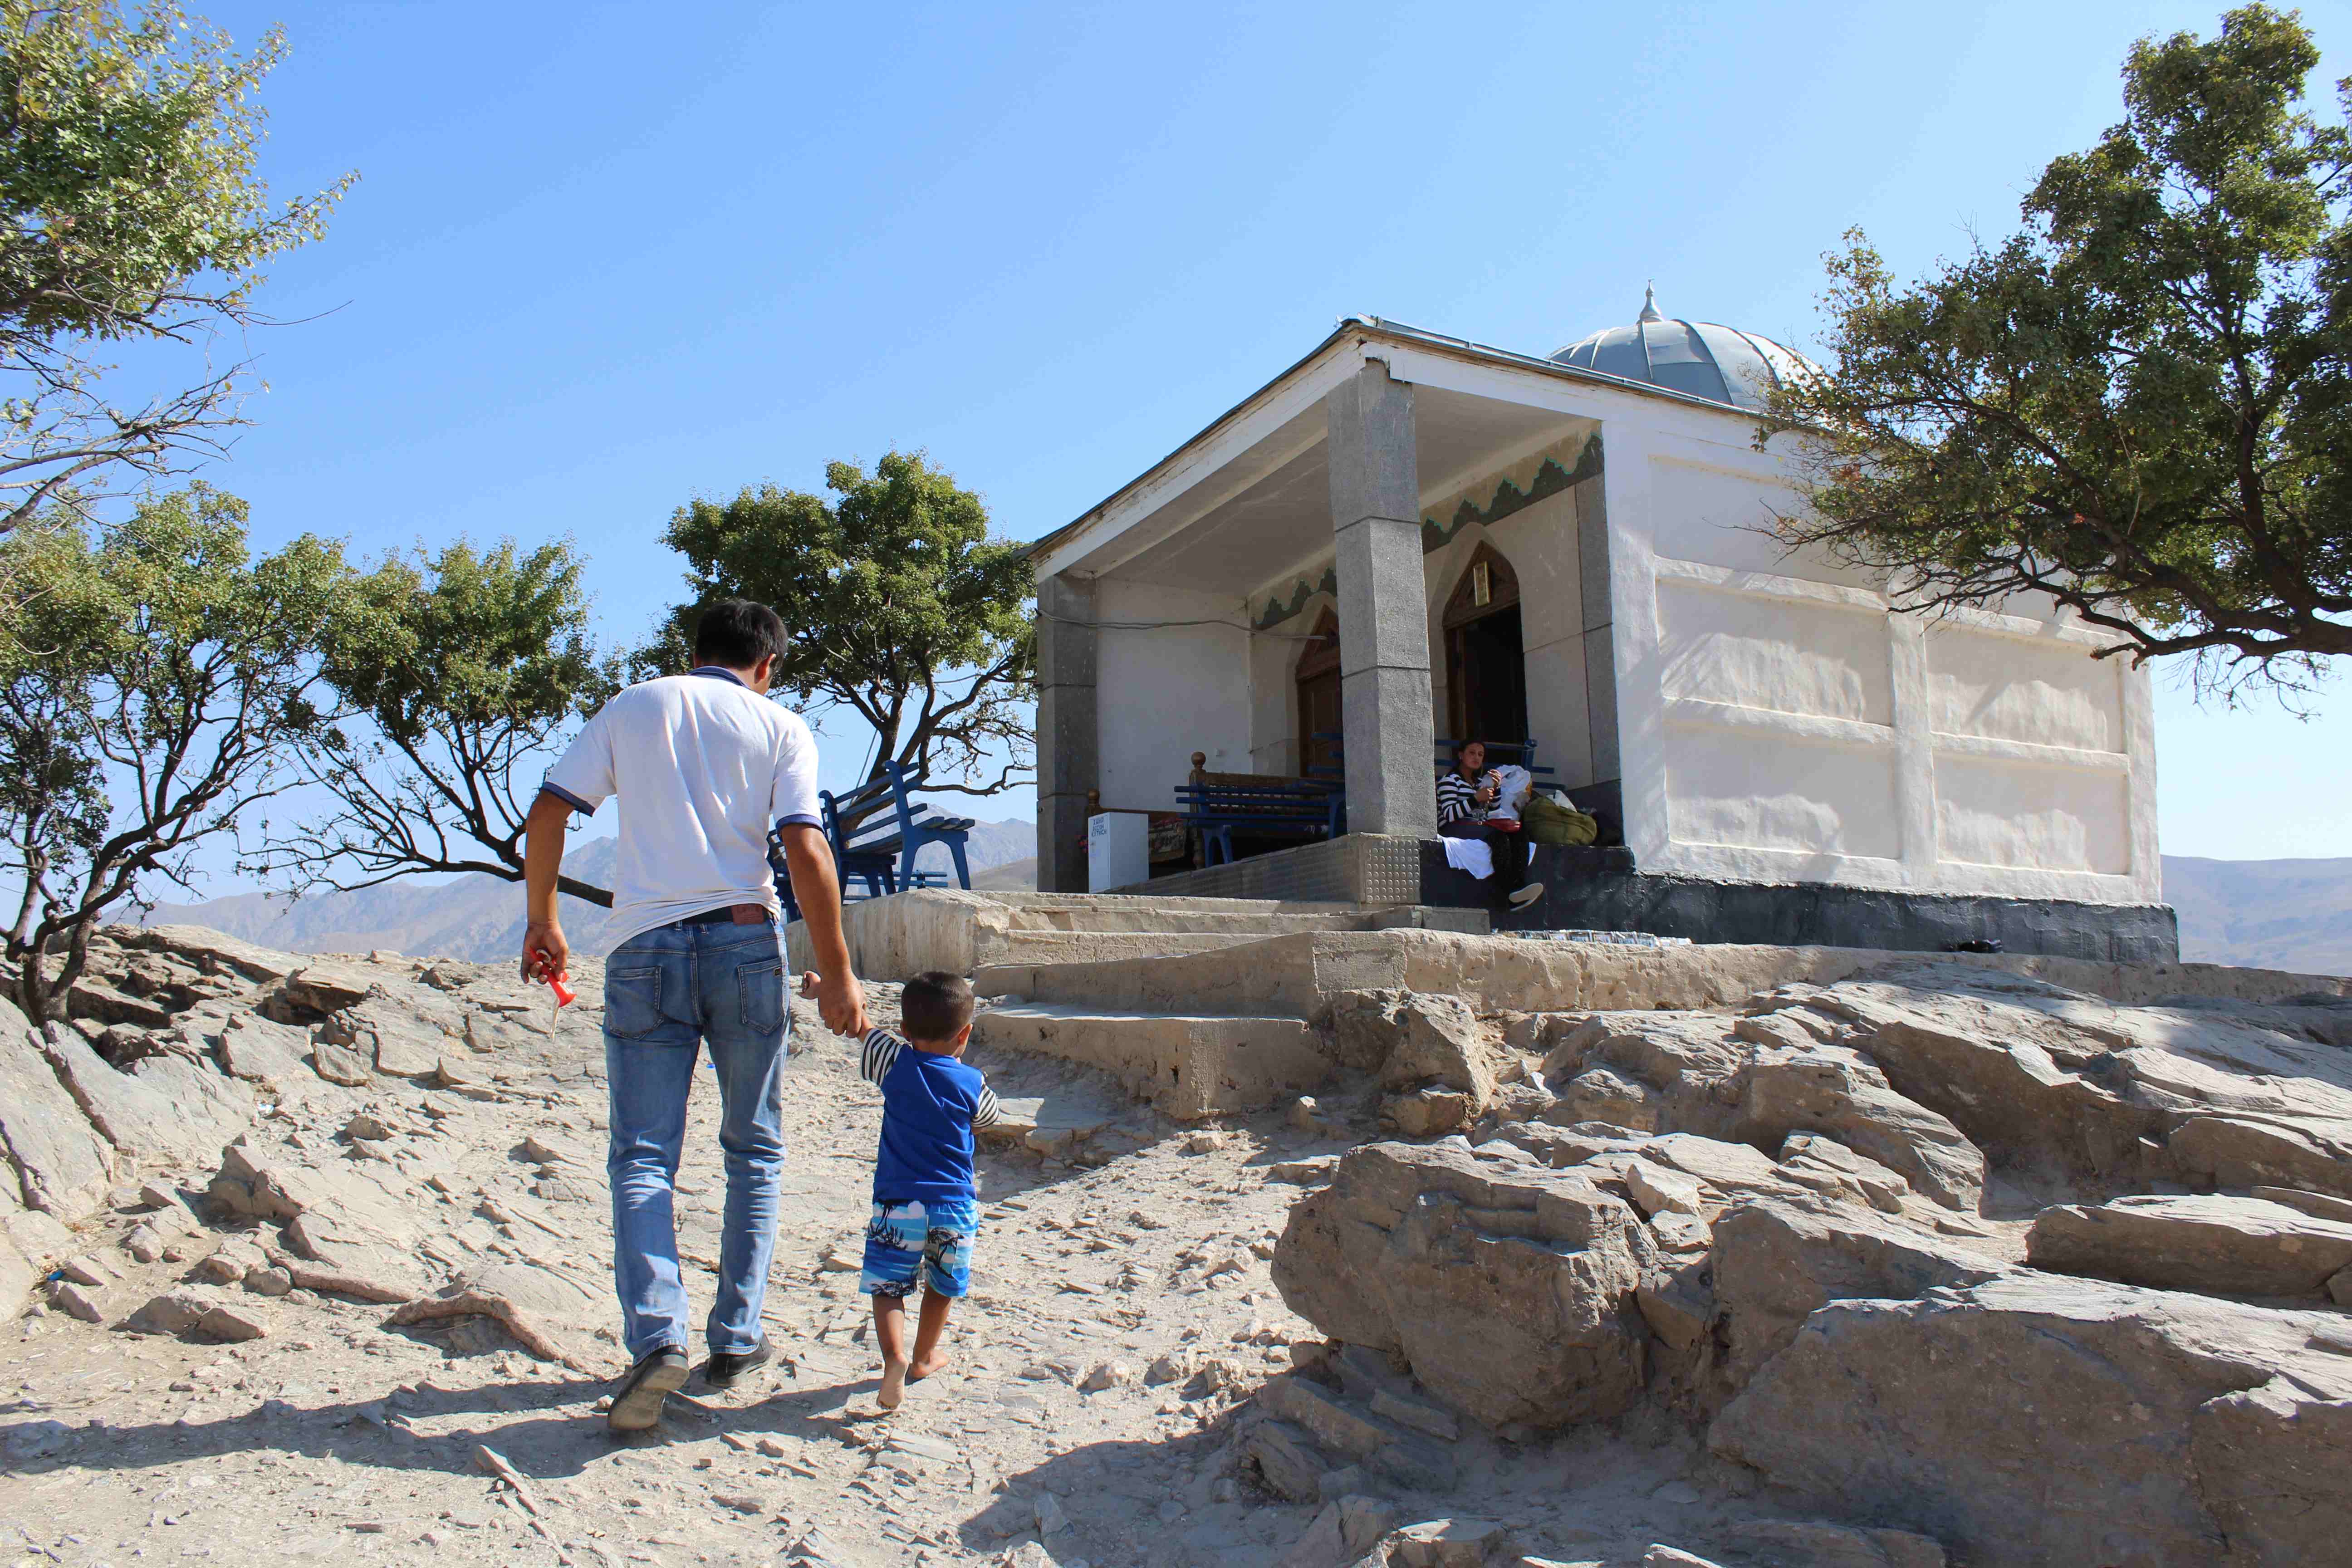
{"x": 564, "y": 996}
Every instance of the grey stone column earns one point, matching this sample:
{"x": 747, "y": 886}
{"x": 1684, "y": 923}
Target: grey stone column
{"x": 1067, "y": 740}
{"x": 1384, "y": 696}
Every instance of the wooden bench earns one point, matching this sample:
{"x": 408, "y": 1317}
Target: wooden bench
{"x": 876, "y": 831}
{"x": 1259, "y": 805}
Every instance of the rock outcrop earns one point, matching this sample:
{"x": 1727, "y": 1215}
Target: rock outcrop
{"x": 2039, "y": 1419}
{"x": 2213, "y": 1243}
{"x": 1423, "y": 1251}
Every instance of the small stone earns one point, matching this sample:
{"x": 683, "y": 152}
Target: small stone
{"x": 173, "y": 1312}
{"x": 363, "y": 1125}
{"x": 1363, "y": 1522}
{"x": 231, "y": 1324}
{"x": 143, "y": 1244}
{"x": 1448, "y": 1543}
{"x": 1668, "y": 1557}
{"x": 1109, "y": 1374}
{"x": 1170, "y": 1510}
{"x": 1204, "y": 1142}
{"x": 1680, "y": 1493}
{"x": 1050, "y": 1517}
{"x": 339, "y": 1064}
{"x": 172, "y": 1215}
{"x": 742, "y": 1502}
{"x": 76, "y": 1301}
{"x": 272, "y": 1281}
{"x": 772, "y": 1448}
{"x": 1174, "y": 1367}
{"x": 86, "y": 1270}
{"x": 1313, "y": 1172}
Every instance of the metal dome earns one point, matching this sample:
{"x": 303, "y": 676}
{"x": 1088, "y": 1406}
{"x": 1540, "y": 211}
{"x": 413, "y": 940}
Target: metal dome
{"x": 1700, "y": 359}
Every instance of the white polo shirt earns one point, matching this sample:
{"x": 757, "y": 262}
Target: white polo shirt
{"x": 704, "y": 766}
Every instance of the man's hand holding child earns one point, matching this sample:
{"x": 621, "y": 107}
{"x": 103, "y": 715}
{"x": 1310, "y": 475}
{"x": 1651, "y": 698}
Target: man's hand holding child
{"x": 842, "y": 1003}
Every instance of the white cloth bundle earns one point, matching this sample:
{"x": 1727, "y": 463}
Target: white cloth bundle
{"x": 1517, "y": 783}
{"x": 1472, "y": 855}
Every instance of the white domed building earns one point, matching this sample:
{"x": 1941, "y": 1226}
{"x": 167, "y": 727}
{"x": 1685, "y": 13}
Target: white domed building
{"x": 1407, "y": 539}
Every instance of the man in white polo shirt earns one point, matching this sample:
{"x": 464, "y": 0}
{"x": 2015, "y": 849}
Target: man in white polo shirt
{"x": 703, "y": 764}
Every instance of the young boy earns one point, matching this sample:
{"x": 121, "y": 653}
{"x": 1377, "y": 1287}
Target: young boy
{"x": 925, "y": 1197}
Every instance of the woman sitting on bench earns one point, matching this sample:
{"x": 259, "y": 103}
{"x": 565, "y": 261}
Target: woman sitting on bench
{"x": 1466, "y": 797}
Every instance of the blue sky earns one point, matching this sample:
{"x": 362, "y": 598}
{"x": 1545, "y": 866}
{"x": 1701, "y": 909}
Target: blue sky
{"x": 602, "y": 258}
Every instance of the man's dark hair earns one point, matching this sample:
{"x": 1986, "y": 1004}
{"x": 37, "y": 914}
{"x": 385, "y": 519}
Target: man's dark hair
{"x": 935, "y": 1006}
{"x": 738, "y": 633}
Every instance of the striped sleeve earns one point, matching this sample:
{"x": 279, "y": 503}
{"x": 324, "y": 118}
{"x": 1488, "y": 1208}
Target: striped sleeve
{"x": 1455, "y": 796}
{"x": 880, "y": 1055}
{"x": 988, "y": 1112}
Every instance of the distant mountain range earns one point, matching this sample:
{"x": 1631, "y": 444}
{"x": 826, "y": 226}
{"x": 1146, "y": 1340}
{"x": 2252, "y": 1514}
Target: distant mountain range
{"x": 480, "y": 917}
{"x": 2265, "y": 914}
{"x": 2294, "y": 915}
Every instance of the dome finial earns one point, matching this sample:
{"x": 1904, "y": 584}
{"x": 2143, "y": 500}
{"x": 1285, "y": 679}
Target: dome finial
{"x": 1650, "y": 304}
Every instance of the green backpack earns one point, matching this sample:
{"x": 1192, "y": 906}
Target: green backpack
{"x": 1547, "y": 822}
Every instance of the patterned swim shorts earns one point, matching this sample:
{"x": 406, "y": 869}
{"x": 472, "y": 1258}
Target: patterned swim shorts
{"x": 906, "y": 1241}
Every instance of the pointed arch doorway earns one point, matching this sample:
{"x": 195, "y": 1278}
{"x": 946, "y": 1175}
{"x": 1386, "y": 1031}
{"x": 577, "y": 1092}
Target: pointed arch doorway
{"x": 1485, "y": 663}
{"x": 1318, "y": 698}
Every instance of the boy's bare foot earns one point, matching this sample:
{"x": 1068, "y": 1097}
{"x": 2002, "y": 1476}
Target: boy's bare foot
{"x": 894, "y": 1385}
{"x": 922, "y": 1367}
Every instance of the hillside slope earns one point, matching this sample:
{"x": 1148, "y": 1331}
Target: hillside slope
{"x": 479, "y": 917}
{"x": 2270, "y": 914}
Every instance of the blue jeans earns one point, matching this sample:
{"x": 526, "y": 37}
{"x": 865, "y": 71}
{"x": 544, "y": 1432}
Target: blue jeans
{"x": 665, "y": 991}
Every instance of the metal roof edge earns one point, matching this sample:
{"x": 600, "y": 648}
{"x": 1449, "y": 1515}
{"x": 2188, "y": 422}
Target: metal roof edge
{"x": 1399, "y": 331}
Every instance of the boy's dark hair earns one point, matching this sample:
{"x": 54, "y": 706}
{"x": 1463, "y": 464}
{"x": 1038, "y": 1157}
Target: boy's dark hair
{"x": 935, "y": 1006}
{"x": 738, "y": 633}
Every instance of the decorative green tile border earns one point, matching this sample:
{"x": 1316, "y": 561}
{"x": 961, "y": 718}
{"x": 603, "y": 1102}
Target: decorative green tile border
{"x": 1550, "y": 480}
{"x": 1277, "y": 611}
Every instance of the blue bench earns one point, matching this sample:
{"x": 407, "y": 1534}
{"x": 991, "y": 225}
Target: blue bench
{"x": 875, "y": 830}
{"x": 1302, "y": 810}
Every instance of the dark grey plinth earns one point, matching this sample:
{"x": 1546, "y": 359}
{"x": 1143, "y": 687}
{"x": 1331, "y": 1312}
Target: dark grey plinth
{"x": 1599, "y": 890}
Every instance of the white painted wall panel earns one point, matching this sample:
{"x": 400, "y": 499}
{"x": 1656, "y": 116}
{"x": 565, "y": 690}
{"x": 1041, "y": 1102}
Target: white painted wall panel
{"x": 1761, "y": 789}
{"x": 1707, "y": 507}
{"x": 1555, "y": 711}
{"x": 1773, "y": 653}
{"x": 1992, "y": 812}
{"x": 1169, "y": 692}
{"x": 2047, "y": 692}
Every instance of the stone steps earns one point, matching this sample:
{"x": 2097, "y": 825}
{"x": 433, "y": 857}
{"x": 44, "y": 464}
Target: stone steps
{"x": 1026, "y": 947}
{"x": 1189, "y": 1065}
{"x": 945, "y": 928}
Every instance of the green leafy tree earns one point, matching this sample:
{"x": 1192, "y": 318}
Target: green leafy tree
{"x": 162, "y": 680}
{"x": 2136, "y": 407}
{"x": 460, "y": 675}
{"x": 900, "y": 606}
{"x": 129, "y": 213}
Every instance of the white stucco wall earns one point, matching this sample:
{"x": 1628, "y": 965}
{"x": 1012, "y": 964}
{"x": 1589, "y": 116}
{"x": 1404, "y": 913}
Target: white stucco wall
{"x": 1779, "y": 723}
{"x": 1165, "y": 693}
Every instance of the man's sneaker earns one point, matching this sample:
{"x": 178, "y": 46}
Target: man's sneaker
{"x": 725, "y": 1366}
{"x": 1527, "y": 895}
{"x": 638, "y": 1402}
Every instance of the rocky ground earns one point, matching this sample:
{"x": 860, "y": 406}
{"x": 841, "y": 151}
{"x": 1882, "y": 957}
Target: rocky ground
{"x": 306, "y": 1258}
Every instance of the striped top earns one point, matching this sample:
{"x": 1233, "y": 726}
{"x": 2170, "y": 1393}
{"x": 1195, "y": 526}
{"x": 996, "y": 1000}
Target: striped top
{"x": 1457, "y": 799}
{"x": 881, "y": 1054}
